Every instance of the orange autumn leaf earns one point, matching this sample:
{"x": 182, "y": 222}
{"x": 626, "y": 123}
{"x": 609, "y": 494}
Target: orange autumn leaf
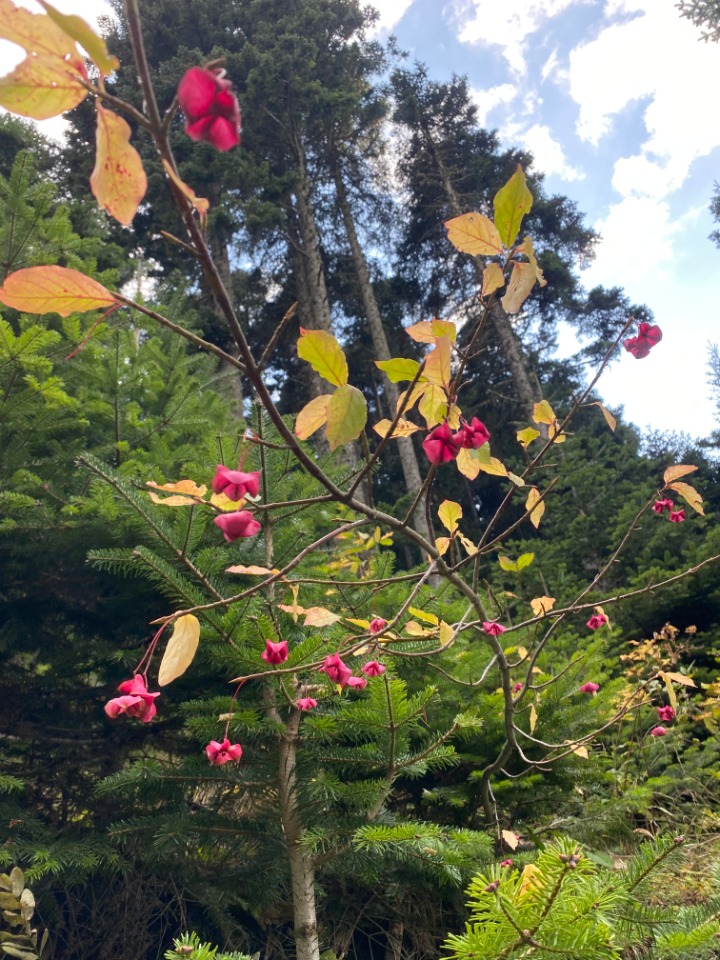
{"x": 53, "y": 290}
{"x": 118, "y": 181}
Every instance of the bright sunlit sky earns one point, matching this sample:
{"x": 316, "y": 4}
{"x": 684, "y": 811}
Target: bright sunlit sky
{"x": 617, "y": 100}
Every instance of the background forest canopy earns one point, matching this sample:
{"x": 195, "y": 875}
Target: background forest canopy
{"x": 330, "y": 217}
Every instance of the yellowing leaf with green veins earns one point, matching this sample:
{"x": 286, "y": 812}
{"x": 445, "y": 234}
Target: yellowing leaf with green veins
{"x": 514, "y": 478}
{"x": 312, "y": 416}
{"x": 319, "y": 617}
{"x": 76, "y": 28}
{"x": 493, "y": 279}
{"x": 200, "y": 203}
{"x": 476, "y": 234}
{"x": 609, "y": 418}
{"x": 469, "y": 546}
{"x": 446, "y": 632}
{"x": 511, "y": 204}
{"x": 543, "y": 413}
{"x": 449, "y": 513}
{"x": 535, "y": 506}
{"x": 507, "y": 564}
{"x": 533, "y": 718}
{"x": 542, "y": 605}
{"x": 515, "y": 566}
{"x": 324, "y": 354}
{"x": 415, "y": 630}
{"x": 399, "y": 369}
{"x": 180, "y": 650}
{"x": 511, "y": 839}
{"x": 426, "y": 617}
{"x": 689, "y": 494}
{"x": 252, "y": 570}
{"x": 421, "y": 332}
{"x": 522, "y": 280}
{"x": 433, "y": 405}
{"x": 442, "y": 544}
{"x": 53, "y": 290}
{"x": 527, "y": 247}
{"x": 677, "y": 471}
{"x": 444, "y": 328}
{"x": 346, "y": 415}
{"x": 437, "y": 363}
{"x": 403, "y": 428}
{"x": 118, "y": 181}
{"x": 188, "y": 493}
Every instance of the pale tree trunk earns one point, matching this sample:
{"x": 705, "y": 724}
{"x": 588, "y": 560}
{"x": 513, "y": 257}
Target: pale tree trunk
{"x": 408, "y": 459}
{"x": 524, "y": 379}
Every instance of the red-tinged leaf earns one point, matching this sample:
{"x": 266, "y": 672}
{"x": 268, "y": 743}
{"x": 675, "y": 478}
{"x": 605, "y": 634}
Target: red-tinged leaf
{"x": 522, "y": 280}
{"x": 312, "y": 416}
{"x": 324, "y": 354}
{"x": 421, "y": 332}
{"x": 399, "y": 369}
{"x": 449, "y": 513}
{"x": 677, "y": 471}
{"x": 476, "y": 234}
{"x": 512, "y": 202}
{"x": 77, "y": 29}
{"x": 180, "y": 650}
{"x": 200, "y": 203}
{"x": 346, "y": 415}
{"x": 118, "y": 181}
{"x": 53, "y": 290}
{"x": 319, "y": 617}
{"x": 689, "y": 494}
{"x": 403, "y": 428}
{"x": 493, "y": 279}
{"x": 437, "y": 363}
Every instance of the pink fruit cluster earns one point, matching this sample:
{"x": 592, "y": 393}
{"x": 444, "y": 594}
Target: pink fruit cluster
{"x": 235, "y": 485}
{"x": 211, "y": 110}
{"x": 441, "y": 445}
{"x": 647, "y": 336}
{"x": 135, "y": 702}
{"x": 666, "y": 505}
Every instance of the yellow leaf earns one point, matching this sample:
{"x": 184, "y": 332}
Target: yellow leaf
{"x": 200, "y": 203}
{"x": 346, "y": 415}
{"x": 522, "y": 280}
{"x": 530, "y": 881}
{"x": 514, "y": 478}
{"x": 609, "y": 418}
{"x": 526, "y": 436}
{"x": 403, "y": 428}
{"x": 677, "y": 471}
{"x": 555, "y": 435}
{"x": 76, "y": 28}
{"x": 475, "y": 234}
{"x": 118, "y": 181}
{"x": 468, "y": 463}
{"x": 415, "y": 630}
{"x": 399, "y": 369}
{"x": 507, "y": 564}
{"x": 528, "y": 249}
{"x": 470, "y": 547}
{"x": 365, "y": 624}
{"x": 495, "y": 467}
{"x": 449, "y": 513}
{"x": 426, "y": 617}
{"x": 511, "y": 839}
{"x": 689, "y": 495}
{"x": 53, "y": 290}
{"x": 535, "y": 506}
{"x": 442, "y": 544}
{"x": 543, "y": 413}
{"x": 408, "y": 398}
{"x": 319, "y": 617}
{"x": 511, "y": 203}
{"x": 580, "y": 751}
{"x": 312, "y": 416}
{"x": 251, "y": 571}
{"x": 446, "y": 632}
{"x": 541, "y": 605}
{"x": 324, "y": 354}
{"x": 421, "y": 332}
{"x": 524, "y": 560}
{"x": 433, "y": 404}
{"x": 444, "y": 328}
{"x": 294, "y": 608}
{"x": 437, "y": 363}
{"x": 189, "y": 490}
{"x": 223, "y": 502}
{"x": 493, "y": 279}
{"x": 679, "y": 678}
{"x": 533, "y": 718}
{"x": 180, "y": 649}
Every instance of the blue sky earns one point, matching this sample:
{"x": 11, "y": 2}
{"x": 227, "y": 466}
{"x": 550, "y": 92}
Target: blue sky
{"x": 617, "y": 99}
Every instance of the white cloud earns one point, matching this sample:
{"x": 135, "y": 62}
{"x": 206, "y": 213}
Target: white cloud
{"x": 487, "y": 100}
{"x": 548, "y": 152}
{"x": 508, "y": 25}
{"x": 391, "y": 13}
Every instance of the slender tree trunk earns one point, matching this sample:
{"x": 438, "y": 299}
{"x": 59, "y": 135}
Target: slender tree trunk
{"x": 524, "y": 379}
{"x": 221, "y": 256}
{"x": 408, "y": 459}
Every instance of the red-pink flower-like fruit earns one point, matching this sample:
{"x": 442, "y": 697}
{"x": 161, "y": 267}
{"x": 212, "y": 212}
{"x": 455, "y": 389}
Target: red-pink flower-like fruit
{"x": 676, "y": 516}
{"x": 239, "y": 523}
{"x": 377, "y": 625}
{"x": 372, "y": 668}
{"x": 647, "y": 336}
{"x": 660, "y": 506}
{"x": 336, "y": 670}
{"x": 306, "y": 703}
{"x": 234, "y": 483}
{"x": 518, "y": 687}
{"x": 441, "y": 445}
{"x": 589, "y": 687}
{"x": 506, "y": 863}
{"x": 275, "y": 653}
{"x": 359, "y": 683}
{"x": 658, "y": 732}
{"x": 211, "y": 109}
{"x": 221, "y": 753}
{"x": 136, "y": 702}
{"x": 492, "y": 628}
{"x": 666, "y": 713}
{"x": 596, "y": 621}
{"x": 473, "y": 435}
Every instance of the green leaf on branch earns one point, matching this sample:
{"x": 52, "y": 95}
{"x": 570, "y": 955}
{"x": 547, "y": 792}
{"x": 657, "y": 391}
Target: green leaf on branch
{"x": 53, "y": 290}
{"x": 511, "y": 204}
{"x": 515, "y": 566}
{"x": 476, "y": 234}
{"x": 346, "y": 415}
{"x": 399, "y": 369}
{"x": 180, "y": 650}
{"x": 324, "y": 354}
